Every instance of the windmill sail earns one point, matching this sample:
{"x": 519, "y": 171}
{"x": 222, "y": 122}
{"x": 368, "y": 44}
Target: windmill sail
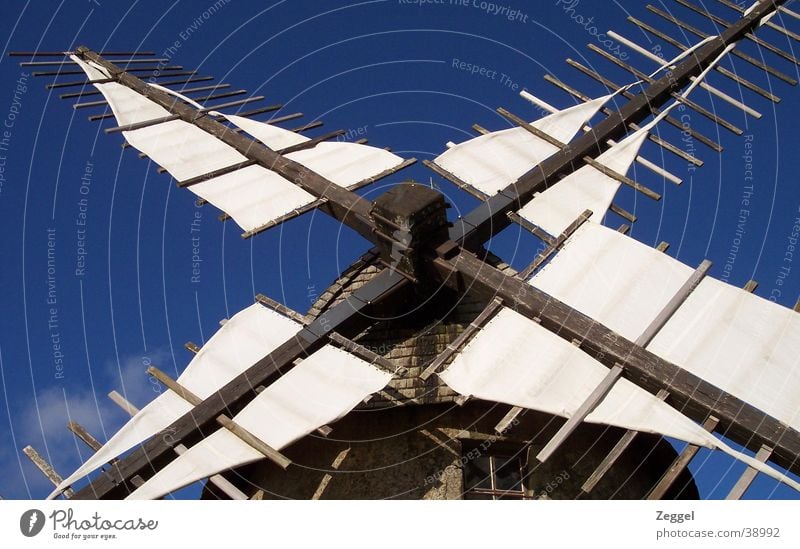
{"x": 324, "y": 388}
{"x": 252, "y": 195}
{"x": 245, "y": 338}
{"x": 516, "y": 361}
{"x": 493, "y": 161}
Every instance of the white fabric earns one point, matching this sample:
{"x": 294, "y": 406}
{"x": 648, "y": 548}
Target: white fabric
{"x": 621, "y": 283}
{"x": 320, "y": 390}
{"x": 272, "y": 136}
{"x": 247, "y": 337}
{"x": 517, "y": 362}
{"x": 252, "y": 196}
{"x": 584, "y": 189}
{"x": 745, "y": 345}
{"x": 346, "y": 163}
{"x": 340, "y": 162}
{"x": 493, "y": 161}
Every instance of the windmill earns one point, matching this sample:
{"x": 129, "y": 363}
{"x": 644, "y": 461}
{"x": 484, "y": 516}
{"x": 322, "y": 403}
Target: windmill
{"x": 598, "y": 329}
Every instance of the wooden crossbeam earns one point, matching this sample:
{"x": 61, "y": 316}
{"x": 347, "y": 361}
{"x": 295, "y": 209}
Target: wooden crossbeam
{"x": 345, "y": 205}
{"x": 666, "y": 145}
{"x": 555, "y": 245}
{"x": 46, "y": 469}
{"x": 750, "y": 36}
{"x": 707, "y": 141}
{"x": 80, "y": 71}
{"x": 243, "y": 434}
{"x": 455, "y": 180}
{"x": 738, "y": 53}
{"x": 704, "y": 85}
{"x": 613, "y": 456}
{"x": 699, "y": 109}
{"x": 680, "y": 464}
{"x": 219, "y": 481}
{"x": 749, "y": 475}
{"x": 453, "y": 347}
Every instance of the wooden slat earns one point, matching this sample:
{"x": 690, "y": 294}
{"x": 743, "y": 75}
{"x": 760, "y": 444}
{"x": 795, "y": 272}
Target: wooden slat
{"x": 535, "y": 230}
{"x": 741, "y": 55}
{"x": 79, "y": 431}
{"x": 243, "y": 434}
{"x": 660, "y": 61}
{"x": 344, "y": 205}
{"x": 614, "y": 374}
{"x": 707, "y": 141}
{"x": 226, "y": 486}
{"x": 676, "y": 96}
{"x": 750, "y": 36}
{"x": 680, "y": 464}
{"x": 453, "y": 347}
{"x": 751, "y": 286}
{"x": 613, "y": 456}
{"x": 455, "y": 180}
{"x": 480, "y": 129}
{"x": 46, "y": 469}
{"x": 623, "y": 213}
{"x": 663, "y": 246}
{"x": 192, "y": 347}
{"x": 555, "y": 245}
{"x": 749, "y": 475}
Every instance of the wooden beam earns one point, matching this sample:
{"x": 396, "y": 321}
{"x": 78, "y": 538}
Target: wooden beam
{"x": 616, "y": 452}
{"x": 84, "y": 435}
{"x": 743, "y": 56}
{"x": 455, "y": 180}
{"x": 453, "y": 347}
{"x": 750, "y": 36}
{"x": 346, "y": 206}
{"x": 695, "y": 397}
{"x": 749, "y": 475}
{"x": 680, "y": 464}
{"x": 226, "y": 486}
{"x": 555, "y": 245}
{"x": 243, "y": 434}
{"x": 46, "y": 469}
{"x": 348, "y": 317}
{"x": 490, "y": 217}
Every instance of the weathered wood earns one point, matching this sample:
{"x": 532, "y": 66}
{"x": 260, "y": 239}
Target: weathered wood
{"x": 604, "y": 387}
{"x": 480, "y": 129}
{"x": 555, "y": 245}
{"x": 455, "y": 180}
{"x": 695, "y": 397}
{"x": 750, "y": 36}
{"x": 699, "y": 109}
{"x": 80, "y": 71}
{"x": 535, "y": 230}
{"x": 322, "y": 201}
{"x": 490, "y": 217}
{"x": 84, "y": 435}
{"x": 611, "y": 458}
{"x": 348, "y": 317}
{"x": 625, "y": 180}
{"x": 192, "y": 347}
{"x": 741, "y": 55}
{"x": 623, "y": 213}
{"x": 663, "y": 246}
{"x": 453, "y": 347}
{"x": 345, "y": 205}
{"x": 680, "y": 463}
{"x": 704, "y": 85}
{"x": 751, "y": 286}
{"x": 311, "y": 143}
{"x": 243, "y": 434}
{"x": 218, "y": 480}
{"x": 612, "y": 86}
{"x": 749, "y": 475}
{"x": 46, "y": 469}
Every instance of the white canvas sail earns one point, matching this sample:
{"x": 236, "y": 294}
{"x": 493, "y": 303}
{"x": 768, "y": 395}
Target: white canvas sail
{"x": 516, "y": 361}
{"x": 320, "y": 390}
{"x": 493, "y": 161}
{"x": 244, "y": 339}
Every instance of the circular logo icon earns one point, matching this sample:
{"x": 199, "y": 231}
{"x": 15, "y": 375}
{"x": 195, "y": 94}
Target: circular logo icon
{"x": 31, "y": 522}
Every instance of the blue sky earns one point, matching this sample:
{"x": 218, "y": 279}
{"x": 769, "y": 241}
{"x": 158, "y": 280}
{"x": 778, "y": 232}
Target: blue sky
{"x": 387, "y": 70}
